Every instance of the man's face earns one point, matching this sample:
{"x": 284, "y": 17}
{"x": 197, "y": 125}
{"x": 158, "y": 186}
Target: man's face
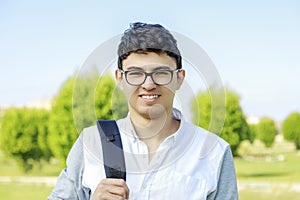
{"x": 149, "y": 99}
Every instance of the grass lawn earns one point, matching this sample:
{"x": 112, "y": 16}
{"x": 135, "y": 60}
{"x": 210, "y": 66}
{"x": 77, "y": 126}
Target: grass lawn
{"x": 287, "y": 170}
{"x": 274, "y": 194}
{"x": 8, "y": 167}
{"x": 12, "y": 191}
{"x": 275, "y": 178}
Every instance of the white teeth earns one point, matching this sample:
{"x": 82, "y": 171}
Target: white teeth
{"x": 149, "y": 97}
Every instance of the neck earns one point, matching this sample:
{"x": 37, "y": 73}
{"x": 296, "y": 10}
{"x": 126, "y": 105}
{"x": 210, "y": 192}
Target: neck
{"x": 153, "y": 131}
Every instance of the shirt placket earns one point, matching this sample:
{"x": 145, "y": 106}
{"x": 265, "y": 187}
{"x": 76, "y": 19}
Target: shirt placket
{"x": 153, "y": 167}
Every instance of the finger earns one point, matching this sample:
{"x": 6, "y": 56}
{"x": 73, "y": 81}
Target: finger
{"x": 120, "y": 186}
{"x": 116, "y": 182}
{"x": 106, "y": 196}
{"x": 113, "y": 181}
{"x": 120, "y": 191}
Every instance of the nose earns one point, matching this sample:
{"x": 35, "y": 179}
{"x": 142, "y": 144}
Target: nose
{"x": 149, "y": 83}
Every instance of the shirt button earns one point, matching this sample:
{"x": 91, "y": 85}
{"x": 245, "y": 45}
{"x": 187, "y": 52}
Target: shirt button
{"x": 144, "y": 186}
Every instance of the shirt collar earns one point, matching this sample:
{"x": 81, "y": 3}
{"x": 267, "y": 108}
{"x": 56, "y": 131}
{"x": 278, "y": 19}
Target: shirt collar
{"x": 126, "y": 127}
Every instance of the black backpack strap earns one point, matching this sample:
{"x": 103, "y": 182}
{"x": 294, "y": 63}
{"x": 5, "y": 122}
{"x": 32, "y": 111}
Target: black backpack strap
{"x": 113, "y": 155}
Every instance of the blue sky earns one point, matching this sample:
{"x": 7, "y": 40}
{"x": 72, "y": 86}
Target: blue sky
{"x": 255, "y": 45}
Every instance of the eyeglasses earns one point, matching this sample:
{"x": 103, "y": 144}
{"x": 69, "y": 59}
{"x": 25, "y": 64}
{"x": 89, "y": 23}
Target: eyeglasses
{"x": 159, "y": 77}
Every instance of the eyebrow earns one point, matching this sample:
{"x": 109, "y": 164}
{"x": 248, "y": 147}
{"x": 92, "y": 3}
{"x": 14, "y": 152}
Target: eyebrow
{"x": 163, "y": 67}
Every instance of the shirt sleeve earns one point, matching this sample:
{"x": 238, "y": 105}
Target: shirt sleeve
{"x": 69, "y": 182}
{"x": 227, "y": 185}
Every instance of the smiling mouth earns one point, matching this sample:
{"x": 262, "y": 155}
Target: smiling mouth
{"x": 149, "y": 97}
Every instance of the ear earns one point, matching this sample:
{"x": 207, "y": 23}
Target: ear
{"x": 180, "y": 78}
{"x": 119, "y": 78}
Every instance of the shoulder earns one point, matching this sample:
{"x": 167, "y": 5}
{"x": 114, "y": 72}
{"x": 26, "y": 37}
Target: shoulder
{"x": 87, "y": 137}
{"x": 90, "y": 134}
{"x": 208, "y": 143}
{"x": 91, "y": 140}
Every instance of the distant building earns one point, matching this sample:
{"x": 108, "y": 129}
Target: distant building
{"x": 252, "y": 120}
{"x": 42, "y": 104}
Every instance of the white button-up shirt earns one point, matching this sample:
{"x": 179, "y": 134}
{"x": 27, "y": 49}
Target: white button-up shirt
{"x": 190, "y": 164}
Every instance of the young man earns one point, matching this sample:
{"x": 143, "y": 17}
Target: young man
{"x": 166, "y": 157}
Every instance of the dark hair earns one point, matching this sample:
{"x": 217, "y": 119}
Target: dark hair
{"x": 142, "y": 38}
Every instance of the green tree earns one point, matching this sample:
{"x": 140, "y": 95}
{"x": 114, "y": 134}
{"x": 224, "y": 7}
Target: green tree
{"x": 110, "y": 102}
{"x": 79, "y": 103}
{"x": 252, "y": 132}
{"x": 62, "y": 130}
{"x": 235, "y": 128}
{"x": 291, "y": 128}
{"x": 97, "y": 98}
{"x": 83, "y": 103}
{"x": 24, "y": 136}
{"x": 266, "y": 131}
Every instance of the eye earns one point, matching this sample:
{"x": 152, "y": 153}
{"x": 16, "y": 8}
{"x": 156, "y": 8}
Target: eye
{"x": 135, "y": 73}
{"x": 162, "y": 73}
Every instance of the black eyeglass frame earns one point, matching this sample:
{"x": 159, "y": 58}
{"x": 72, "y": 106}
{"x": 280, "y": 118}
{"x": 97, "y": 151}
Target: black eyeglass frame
{"x": 125, "y": 72}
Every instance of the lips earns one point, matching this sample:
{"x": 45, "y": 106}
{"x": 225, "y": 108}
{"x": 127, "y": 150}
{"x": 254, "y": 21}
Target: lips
{"x": 154, "y": 96}
{"x": 149, "y": 97}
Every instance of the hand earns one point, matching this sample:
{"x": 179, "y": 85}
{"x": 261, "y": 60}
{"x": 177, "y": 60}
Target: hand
{"x": 111, "y": 189}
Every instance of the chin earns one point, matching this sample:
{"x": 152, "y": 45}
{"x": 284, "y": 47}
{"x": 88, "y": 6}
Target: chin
{"x": 154, "y": 112}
